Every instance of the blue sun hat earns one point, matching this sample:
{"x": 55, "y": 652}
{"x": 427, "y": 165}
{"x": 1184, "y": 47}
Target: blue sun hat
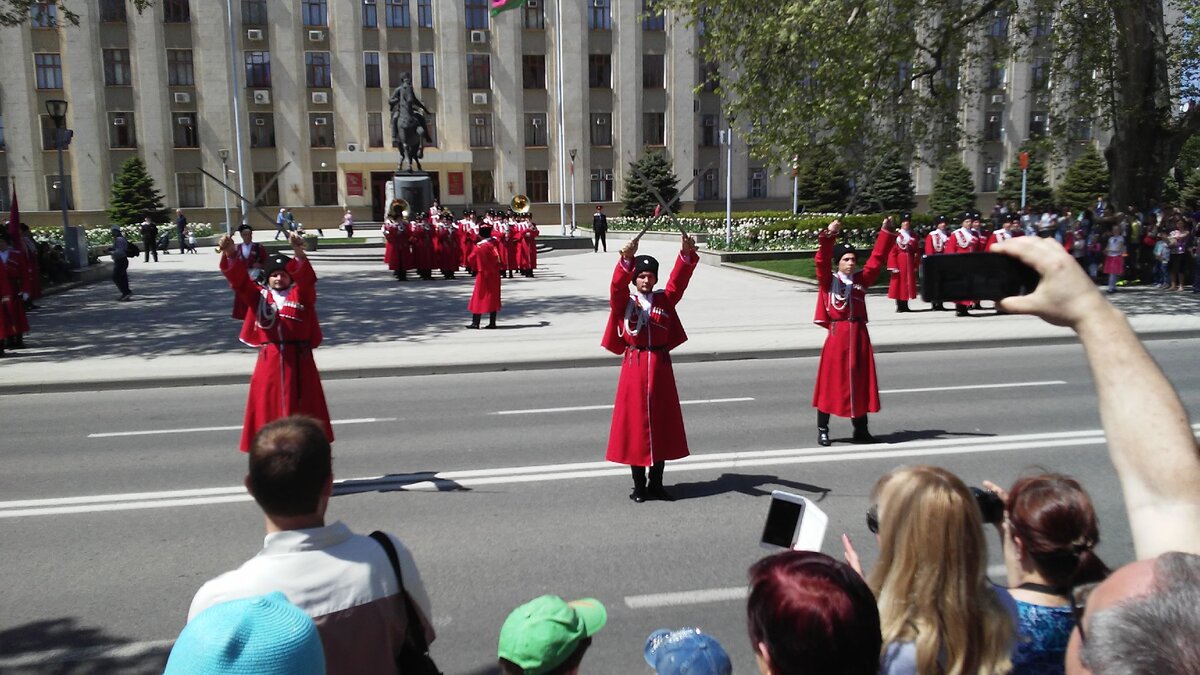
{"x": 686, "y": 651}
{"x": 265, "y": 635}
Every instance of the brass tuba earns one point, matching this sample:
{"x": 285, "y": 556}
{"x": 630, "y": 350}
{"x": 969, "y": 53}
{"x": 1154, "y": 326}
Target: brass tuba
{"x": 519, "y": 204}
{"x": 399, "y": 208}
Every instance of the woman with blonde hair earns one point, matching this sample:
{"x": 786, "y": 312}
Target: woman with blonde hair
{"x": 938, "y": 612}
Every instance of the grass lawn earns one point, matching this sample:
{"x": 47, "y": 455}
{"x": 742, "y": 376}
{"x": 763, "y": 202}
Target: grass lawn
{"x": 804, "y": 268}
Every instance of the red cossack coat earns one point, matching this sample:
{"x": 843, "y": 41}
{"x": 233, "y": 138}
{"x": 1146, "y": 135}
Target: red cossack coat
{"x": 647, "y": 423}
{"x": 846, "y": 383}
{"x": 395, "y": 251}
{"x": 485, "y": 260}
{"x": 17, "y": 275}
{"x": 904, "y": 262}
{"x": 527, "y": 252}
{"x": 512, "y": 241}
{"x": 964, "y": 240}
{"x": 421, "y": 235}
{"x": 256, "y": 259}
{"x": 285, "y": 380}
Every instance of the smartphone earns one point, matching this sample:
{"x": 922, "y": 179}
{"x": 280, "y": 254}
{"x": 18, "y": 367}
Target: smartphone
{"x": 975, "y": 276}
{"x": 793, "y": 522}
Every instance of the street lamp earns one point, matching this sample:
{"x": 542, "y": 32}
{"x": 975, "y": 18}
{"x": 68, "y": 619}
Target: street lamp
{"x": 57, "y": 109}
{"x": 573, "y": 221}
{"x": 224, "y": 155}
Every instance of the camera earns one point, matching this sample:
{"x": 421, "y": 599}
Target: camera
{"x": 990, "y": 505}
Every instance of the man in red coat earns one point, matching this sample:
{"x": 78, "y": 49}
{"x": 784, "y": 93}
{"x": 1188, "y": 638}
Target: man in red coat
{"x": 903, "y": 263}
{"x": 281, "y": 321}
{"x": 644, "y": 326}
{"x": 14, "y": 268}
{"x": 485, "y": 260}
{"x": 253, "y": 258}
{"x": 846, "y": 384}
{"x": 964, "y": 240}
{"x": 421, "y": 236}
{"x": 528, "y": 249}
{"x": 935, "y": 244}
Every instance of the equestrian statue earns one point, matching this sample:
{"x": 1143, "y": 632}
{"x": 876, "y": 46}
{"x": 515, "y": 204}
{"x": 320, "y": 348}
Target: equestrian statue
{"x": 409, "y": 130}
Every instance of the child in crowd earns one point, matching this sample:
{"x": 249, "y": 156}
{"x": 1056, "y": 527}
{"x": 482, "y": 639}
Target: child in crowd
{"x": 190, "y": 237}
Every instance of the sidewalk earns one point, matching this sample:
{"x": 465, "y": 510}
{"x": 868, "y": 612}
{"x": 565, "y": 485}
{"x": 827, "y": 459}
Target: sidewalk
{"x": 178, "y": 329}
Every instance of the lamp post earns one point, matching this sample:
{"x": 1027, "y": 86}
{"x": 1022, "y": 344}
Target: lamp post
{"x": 224, "y": 154}
{"x": 57, "y": 109}
{"x": 573, "y": 221}
{"x": 727, "y": 141}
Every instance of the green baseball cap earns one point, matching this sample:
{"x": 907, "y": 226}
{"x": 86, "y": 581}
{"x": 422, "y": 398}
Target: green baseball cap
{"x": 543, "y": 633}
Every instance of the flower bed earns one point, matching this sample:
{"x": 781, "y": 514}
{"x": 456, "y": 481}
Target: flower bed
{"x": 102, "y": 236}
{"x": 768, "y": 231}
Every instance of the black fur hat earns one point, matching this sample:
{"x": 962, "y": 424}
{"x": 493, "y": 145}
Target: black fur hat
{"x": 485, "y": 231}
{"x": 842, "y": 248}
{"x": 275, "y": 263}
{"x": 645, "y": 263}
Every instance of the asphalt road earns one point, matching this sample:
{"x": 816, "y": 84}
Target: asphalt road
{"x": 118, "y": 505}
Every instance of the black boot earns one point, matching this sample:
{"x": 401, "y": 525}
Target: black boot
{"x": 639, "y": 484}
{"x": 939, "y": 307}
{"x": 823, "y": 436}
{"x": 961, "y": 311}
{"x": 474, "y": 322}
{"x": 491, "y": 321}
{"x": 861, "y": 435}
{"x": 657, "y": 491}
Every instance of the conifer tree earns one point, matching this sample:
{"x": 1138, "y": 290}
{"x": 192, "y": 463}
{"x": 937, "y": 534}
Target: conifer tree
{"x": 821, "y": 182}
{"x": 891, "y": 189}
{"x": 637, "y": 197}
{"x": 1086, "y": 178}
{"x": 953, "y": 189}
{"x": 134, "y": 196}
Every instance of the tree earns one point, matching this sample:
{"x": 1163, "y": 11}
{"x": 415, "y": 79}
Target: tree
{"x": 1190, "y": 193}
{"x": 872, "y": 75}
{"x": 1038, "y": 192}
{"x": 953, "y": 189}
{"x": 17, "y": 12}
{"x": 891, "y": 189}
{"x": 637, "y": 197}
{"x": 821, "y": 183}
{"x": 134, "y": 196}
{"x": 1086, "y": 178}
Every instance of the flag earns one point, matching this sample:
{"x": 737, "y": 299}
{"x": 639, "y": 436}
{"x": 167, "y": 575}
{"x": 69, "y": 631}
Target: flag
{"x": 14, "y": 218}
{"x": 502, "y": 5}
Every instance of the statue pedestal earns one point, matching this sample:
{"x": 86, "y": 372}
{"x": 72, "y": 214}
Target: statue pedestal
{"x": 414, "y": 188}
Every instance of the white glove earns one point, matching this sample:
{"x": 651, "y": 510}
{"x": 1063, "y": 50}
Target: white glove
{"x": 24, "y": 296}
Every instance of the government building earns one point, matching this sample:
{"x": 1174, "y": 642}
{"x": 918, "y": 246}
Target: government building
{"x": 313, "y": 79}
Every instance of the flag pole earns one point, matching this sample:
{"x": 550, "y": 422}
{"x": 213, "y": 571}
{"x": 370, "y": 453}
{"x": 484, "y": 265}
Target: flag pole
{"x": 562, "y": 126}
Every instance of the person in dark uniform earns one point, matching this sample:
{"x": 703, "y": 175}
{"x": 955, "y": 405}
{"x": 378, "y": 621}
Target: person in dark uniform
{"x": 181, "y": 223}
{"x": 599, "y": 230}
{"x": 149, "y": 239}
{"x": 120, "y": 258}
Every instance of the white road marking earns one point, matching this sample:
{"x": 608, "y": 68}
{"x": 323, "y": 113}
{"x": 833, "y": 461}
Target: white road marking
{"x": 192, "y": 430}
{"x": 132, "y": 650}
{"x": 580, "y": 408}
{"x": 686, "y": 597}
{"x": 1004, "y": 385}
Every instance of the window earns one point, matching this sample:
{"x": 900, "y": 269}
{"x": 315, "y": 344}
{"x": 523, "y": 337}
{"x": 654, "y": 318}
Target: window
{"x": 315, "y": 12}
{"x": 477, "y": 14}
{"x": 481, "y": 131}
{"x": 375, "y": 130}
{"x": 757, "y": 187}
{"x": 601, "y": 129}
{"x": 479, "y": 71}
{"x": 602, "y": 185}
{"x": 1042, "y": 24}
{"x": 49, "y": 132}
{"x": 325, "y": 188}
{"x": 431, "y": 129}
{"x": 999, "y": 26}
{"x": 427, "y": 81}
{"x": 654, "y": 128}
{"x": 653, "y": 18}
{"x": 320, "y": 131}
{"x": 121, "y": 132}
{"x": 991, "y": 177}
{"x": 176, "y": 11}
{"x": 707, "y": 188}
{"x": 600, "y": 71}
{"x": 370, "y": 14}
{"x": 537, "y": 185}
{"x": 424, "y": 13}
{"x": 535, "y": 130}
{"x": 533, "y": 71}
{"x": 600, "y": 15}
{"x": 397, "y": 13}
{"x": 43, "y": 15}
{"x": 371, "y": 70}
{"x": 4, "y": 194}
{"x": 1, "y": 135}
{"x": 186, "y": 132}
{"x": 1080, "y": 130}
{"x": 262, "y": 130}
{"x": 48, "y": 68}
{"x": 254, "y": 12}
{"x": 112, "y": 11}
{"x": 270, "y": 195}
{"x": 993, "y": 127}
{"x": 533, "y": 17}
{"x": 398, "y": 63}
{"x": 317, "y": 70}
{"x": 997, "y": 75}
{"x": 1039, "y": 74}
{"x": 190, "y": 188}
{"x": 258, "y": 69}
{"x": 1038, "y": 123}
{"x": 483, "y": 190}
{"x": 653, "y": 71}
{"x": 59, "y": 192}
{"x": 708, "y": 130}
{"x": 710, "y": 75}
{"x": 116, "y": 67}
{"x": 180, "y": 72}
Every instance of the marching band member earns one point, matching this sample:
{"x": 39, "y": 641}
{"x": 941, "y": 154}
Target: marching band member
{"x": 422, "y": 245}
{"x": 395, "y": 236}
{"x": 904, "y": 262}
{"x": 253, "y": 257}
{"x": 528, "y": 250}
{"x": 485, "y": 260}
{"x": 935, "y": 244}
{"x": 964, "y": 240}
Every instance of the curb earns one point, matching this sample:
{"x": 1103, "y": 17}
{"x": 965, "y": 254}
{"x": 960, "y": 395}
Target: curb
{"x": 546, "y": 364}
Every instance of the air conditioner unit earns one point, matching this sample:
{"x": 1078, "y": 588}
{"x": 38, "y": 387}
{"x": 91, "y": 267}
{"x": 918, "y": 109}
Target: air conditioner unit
{"x": 479, "y": 37}
{"x": 254, "y": 34}
{"x": 316, "y": 36}
{"x": 183, "y": 121}
{"x": 478, "y": 121}
{"x": 537, "y": 121}
{"x": 608, "y": 176}
{"x": 601, "y": 121}
{"x": 320, "y": 97}
{"x": 260, "y": 122}
{"x": 479, "y": 98}
{"x": 600, "y": 4}
{"x": 262, "y": 96}
{"x": 997, "y": 98}
{"x": 596, "y": 175}
{"x": 118, "y": 121}
{"x": 710, "y": 121}
{"x": 183, "y": 97}
{"x": 352, "y": 147}
{"x": 320, "y": 121}
{"x": 533, "y": 3}
{"x": 1037, "y": 118}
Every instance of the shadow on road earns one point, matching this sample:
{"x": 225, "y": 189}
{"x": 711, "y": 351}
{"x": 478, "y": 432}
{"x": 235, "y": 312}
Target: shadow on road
{"x": 71, "y": 649}
{"x": 747, "y": 484}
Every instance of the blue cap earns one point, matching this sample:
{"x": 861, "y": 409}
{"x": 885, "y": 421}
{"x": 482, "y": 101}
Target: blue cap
{"x": 686, "y": 651}
{"x": 263, "y": 634}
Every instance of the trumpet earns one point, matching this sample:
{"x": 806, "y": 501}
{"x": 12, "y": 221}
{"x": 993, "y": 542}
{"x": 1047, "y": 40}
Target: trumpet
{"x": 519, "y": 204}
{"x": 399, "y": 207}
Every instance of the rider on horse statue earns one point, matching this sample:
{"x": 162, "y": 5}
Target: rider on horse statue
{"x": 409, "y": 129}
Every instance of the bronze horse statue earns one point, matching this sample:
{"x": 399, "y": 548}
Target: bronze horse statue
{"x": 409, "y": 131}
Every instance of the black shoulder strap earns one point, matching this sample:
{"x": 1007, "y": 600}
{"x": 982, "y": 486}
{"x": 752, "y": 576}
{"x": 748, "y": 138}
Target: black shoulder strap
{"x": 417, "y": 637}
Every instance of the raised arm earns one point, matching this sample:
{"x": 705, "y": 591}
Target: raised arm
{"x": 618, "y": 290}
{"x": 884, "y": 242}
{"x": 823, "y": 260}
{"x": 236, "y": 273}
{"x": 681, "y": 272}
{"x": 1150, "y": 439}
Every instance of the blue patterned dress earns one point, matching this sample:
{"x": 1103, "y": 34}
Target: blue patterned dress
{"x": 1042, "y": 634}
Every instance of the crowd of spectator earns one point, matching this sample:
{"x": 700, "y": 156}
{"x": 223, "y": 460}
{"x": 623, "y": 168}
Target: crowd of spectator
{"x": 926, "y": 606}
